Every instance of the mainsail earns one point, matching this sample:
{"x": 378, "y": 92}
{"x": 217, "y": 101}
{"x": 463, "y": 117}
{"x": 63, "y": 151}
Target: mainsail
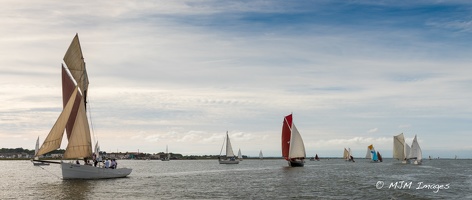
{"x": 286, "y": 135}
{"x": 415, "y": 151}
{"x": 399, "y": 148}
{"x": 346, "y": 154}
{"x": 229, "y": 149}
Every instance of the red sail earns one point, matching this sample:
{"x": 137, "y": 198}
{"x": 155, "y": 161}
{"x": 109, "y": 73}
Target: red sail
{"x": 286, "y": 134}
{"x": 68, "y": 87}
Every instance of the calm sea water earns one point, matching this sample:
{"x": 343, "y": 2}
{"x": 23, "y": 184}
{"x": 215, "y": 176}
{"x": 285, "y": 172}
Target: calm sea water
{"x": 251, "y": 179}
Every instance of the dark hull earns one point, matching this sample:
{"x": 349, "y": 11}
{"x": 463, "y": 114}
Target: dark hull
{"x": 296, "y": 163}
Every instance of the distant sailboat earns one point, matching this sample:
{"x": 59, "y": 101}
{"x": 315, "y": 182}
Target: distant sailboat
{"x": 167, "y": 156}
{"x": 240, "y": 156}
{"x": 73, "y": 119}
{"x": 415, "y": 152}
{"x": 374, "y": 156}
{"x": 316, "y": 158}
{"x": 401, "y": 150}
{"x": 260, "y": 155}
{"x": 293, "y": 149}
{"x": 229, "y": 157}
{"x": 36, "y": 163}
{"x": 347, "y": 155}
{"x": 379, "y": 156}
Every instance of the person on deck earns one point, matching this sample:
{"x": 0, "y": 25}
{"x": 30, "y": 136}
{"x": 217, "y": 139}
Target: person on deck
{"x": 107, "y": 163}
{"x": 112, "y": 164}
{"x": 77, "y": 162}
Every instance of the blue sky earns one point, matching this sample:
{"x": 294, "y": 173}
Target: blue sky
{"x": 182, "y": 73}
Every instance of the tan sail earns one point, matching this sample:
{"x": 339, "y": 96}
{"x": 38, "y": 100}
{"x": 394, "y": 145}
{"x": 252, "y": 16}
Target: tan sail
{"x": 74, "y": 60}
{"x": 54, "y": 138}
{"x": 80, "y": 142}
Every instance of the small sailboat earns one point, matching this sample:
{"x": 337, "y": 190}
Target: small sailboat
{"x": 229, "y": 157}
{"x": 293, "y": 149}
{"x": 374, "y": 155}
{"x": 240, "y": 156}
{"x": 36, "y": 163}
{"x": 260, "y": 155}
{"x": 401, "y": 150}
{"x": 415, "y": 152}
{"x": 347, "y": 155}
{"x": 316, "y": 158}
{"x": 74, "y": 121}
{"x": 167, "y": 156}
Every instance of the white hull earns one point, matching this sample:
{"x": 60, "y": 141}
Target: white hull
{"x": 229, "y": 161}
{"x": 75, "y": 171}
{"x": 416, "y": 162}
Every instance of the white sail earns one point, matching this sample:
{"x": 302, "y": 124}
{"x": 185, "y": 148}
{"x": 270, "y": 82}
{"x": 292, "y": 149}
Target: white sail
{"x": 368, "y": 155}
{"x": 415, "y": 151}
{"x": 399, "y": 147}
{"x": 260, "y": 155}
{"x": 346, "y": 154}
{"x": 36, "y": 148}
{"x": 229, "y": 149}
{"x": 240, "y": 156}
{"x": 297, "y": 148}
{"x": 407, "y": 151}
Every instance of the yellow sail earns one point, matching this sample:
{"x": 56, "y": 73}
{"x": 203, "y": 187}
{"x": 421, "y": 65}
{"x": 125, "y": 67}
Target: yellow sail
{"x": 54, "y": 138}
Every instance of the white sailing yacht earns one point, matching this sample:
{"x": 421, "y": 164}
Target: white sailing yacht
{"x": 73, "y": 119}
{"x": 36, "y": 163}
{"x": 415, "y": 154}
{"x": 240, "y": 156}
{"x": 260, "y": 155}
{"x": 229, "y": 157}
{"x": 167, "y": 157}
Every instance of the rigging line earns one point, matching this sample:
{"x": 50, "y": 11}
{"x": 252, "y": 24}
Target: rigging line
{"x": 224, "y": 140}
{"x": 50, "y": 172}
{"x": 91, "y": 124}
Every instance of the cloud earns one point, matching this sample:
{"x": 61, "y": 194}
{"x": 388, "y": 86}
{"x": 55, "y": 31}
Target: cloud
{"x": 373, "y": 130}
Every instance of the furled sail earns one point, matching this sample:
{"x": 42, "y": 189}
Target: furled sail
{"x": 54, "y": 138}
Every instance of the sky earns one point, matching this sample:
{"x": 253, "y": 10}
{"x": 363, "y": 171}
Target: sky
{"x": 182, "y": 73}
